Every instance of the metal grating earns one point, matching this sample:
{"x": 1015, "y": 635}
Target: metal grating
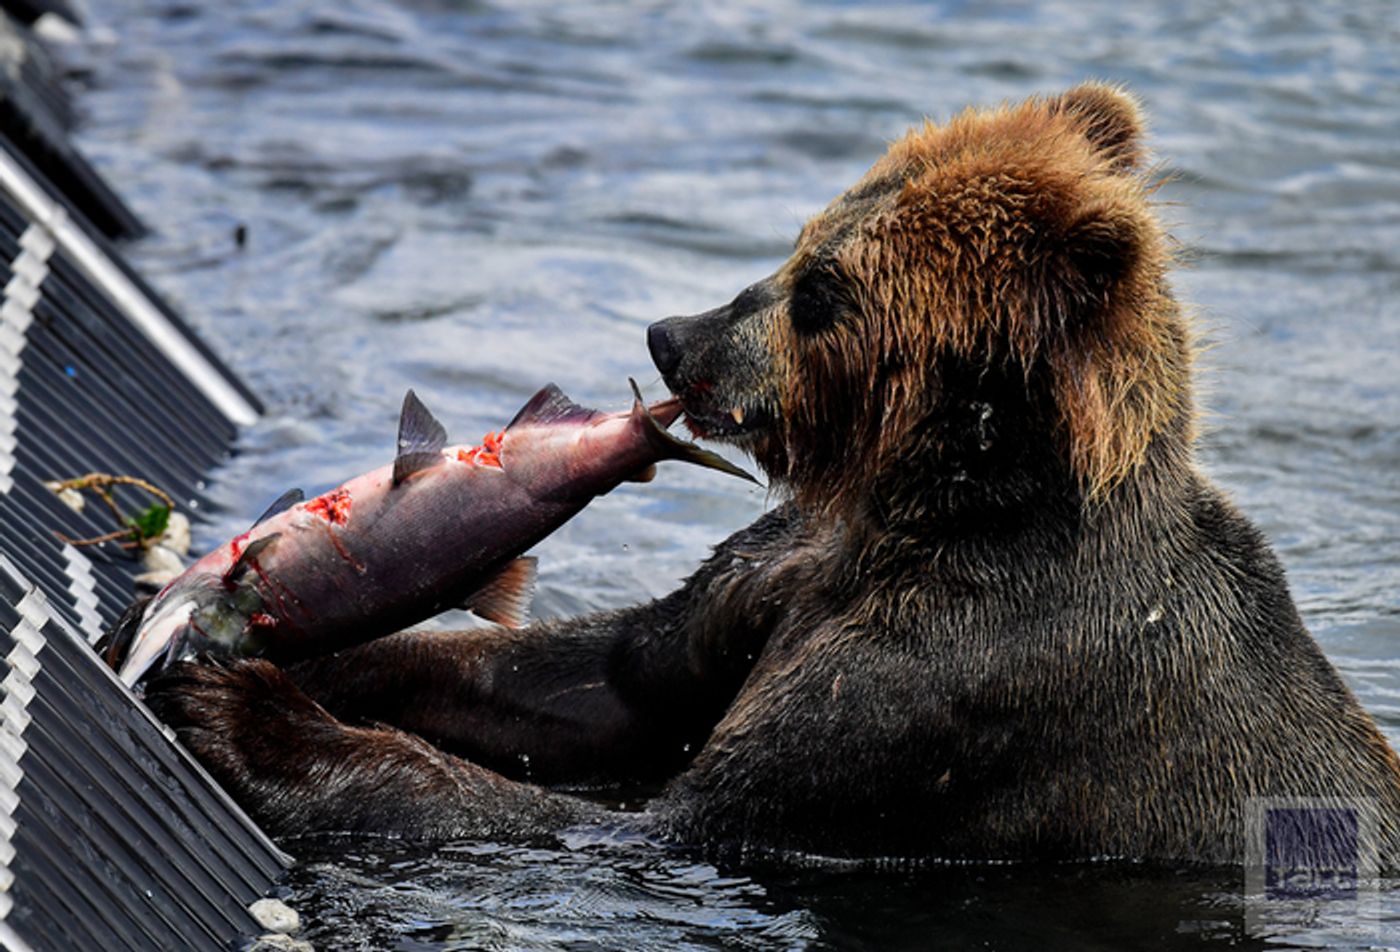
{"x": 111, "y": 837}
{"x": 35, "y": 115}
{"x": 83, "y": 389}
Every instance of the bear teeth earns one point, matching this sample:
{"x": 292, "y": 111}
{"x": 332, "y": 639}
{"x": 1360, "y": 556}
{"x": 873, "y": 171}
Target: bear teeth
{"x": 738, "y": 414}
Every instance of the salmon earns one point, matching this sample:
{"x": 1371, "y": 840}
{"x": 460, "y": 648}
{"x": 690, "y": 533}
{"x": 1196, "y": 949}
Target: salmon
{"x": 441, "y": 527}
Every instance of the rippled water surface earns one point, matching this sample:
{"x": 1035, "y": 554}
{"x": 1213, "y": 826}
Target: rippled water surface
{"x": 474, "y": 198}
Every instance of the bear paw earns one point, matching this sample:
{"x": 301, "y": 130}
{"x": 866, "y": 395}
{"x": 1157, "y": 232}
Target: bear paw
{"x": 245, "y": 720}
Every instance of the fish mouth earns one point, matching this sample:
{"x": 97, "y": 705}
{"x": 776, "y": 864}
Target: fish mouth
{"x": 667, "y": 411}
{"x": 739, "y": 424}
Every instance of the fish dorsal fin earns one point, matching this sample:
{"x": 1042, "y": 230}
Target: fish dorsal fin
{"x": 245, "y": 559}
{"x": 421, "y": 439}
{"x": 506, "y": 598}
{"x": 284, "y": 502}
{"x": 549, "y": 406}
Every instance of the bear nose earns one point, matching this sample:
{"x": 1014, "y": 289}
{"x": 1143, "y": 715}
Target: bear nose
{"x": 664, "y": 352}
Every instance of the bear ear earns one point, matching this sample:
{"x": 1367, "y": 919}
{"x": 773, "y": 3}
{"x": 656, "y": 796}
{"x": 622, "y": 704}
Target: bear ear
{"x": 1110, "y": 119}
{"x": 1101, "y": 246}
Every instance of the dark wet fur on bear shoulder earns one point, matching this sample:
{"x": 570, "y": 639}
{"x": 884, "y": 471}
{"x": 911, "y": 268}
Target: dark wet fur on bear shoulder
{"x": 1004, "y": 615}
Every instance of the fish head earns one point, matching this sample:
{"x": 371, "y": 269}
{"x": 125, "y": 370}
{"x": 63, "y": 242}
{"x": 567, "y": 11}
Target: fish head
{"x": 191, "y": 617}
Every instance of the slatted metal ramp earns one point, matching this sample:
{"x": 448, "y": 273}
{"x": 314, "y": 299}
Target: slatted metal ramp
{"x": 111, "y": 836}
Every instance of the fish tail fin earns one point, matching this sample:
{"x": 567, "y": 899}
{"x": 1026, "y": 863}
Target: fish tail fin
{"x": 671, "y": 447}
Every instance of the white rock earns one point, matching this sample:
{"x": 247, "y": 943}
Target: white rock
{"x": 177, "y": 534}
{"x": 275, "y": 915}
{"x": 158, "y": 558}
{"x": 72, "y": 499}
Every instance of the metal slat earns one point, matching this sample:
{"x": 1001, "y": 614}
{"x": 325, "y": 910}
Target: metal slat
{"x": 112, "y": 436}
{"x": 201, "y": 852}
{"x": 93, "y": 257}
{"x": 79, "y": 865}
{"x": 37, "y": 539}
{"x": 142, "y": 738}
{"x": 179, "y": 799}
{"x": 155, "y": 864}
{"x": 133, "y": 378}
{"x": 49, "y": 460}
{"x": 129, "y": 368}
{"x": 97, "y": 314}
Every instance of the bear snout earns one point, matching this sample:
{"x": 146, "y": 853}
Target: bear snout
{"x": 662, "y": 344}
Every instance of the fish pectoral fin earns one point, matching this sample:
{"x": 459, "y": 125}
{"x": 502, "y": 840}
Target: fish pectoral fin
{"x": 248, "y": 556}
{"x": 550, "y": 405}
{"x": 284, "y": 502}
{"x": 506, "y": 598}
{"x": 421, "y": 439}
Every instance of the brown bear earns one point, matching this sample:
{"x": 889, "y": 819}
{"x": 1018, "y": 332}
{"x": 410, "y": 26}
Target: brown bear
{"x": 1002, "y": 614}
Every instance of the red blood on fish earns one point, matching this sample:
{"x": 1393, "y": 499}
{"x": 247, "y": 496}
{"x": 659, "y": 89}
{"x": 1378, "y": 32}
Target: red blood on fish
{"x": 262, "y": 620}
{"x": 484, "y": 455}
{"x": 235, "y": 546}
{"x": 333, "y": 506}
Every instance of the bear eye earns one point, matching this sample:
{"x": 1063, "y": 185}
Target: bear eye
{"x": 817, "y": 301}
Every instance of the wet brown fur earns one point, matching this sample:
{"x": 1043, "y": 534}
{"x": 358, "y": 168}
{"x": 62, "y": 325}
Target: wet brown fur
{"x": 1034, "y": 242}
{"x": 1004, "y": 615}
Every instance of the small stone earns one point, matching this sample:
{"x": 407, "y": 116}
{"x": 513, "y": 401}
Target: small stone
{"x": 275, "y": 915}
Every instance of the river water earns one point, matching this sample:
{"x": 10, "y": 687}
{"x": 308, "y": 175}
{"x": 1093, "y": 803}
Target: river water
{"x": 474, "y": 198}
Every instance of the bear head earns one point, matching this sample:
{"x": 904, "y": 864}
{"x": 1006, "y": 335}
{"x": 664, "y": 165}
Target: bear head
{"x": 982, "y": 321}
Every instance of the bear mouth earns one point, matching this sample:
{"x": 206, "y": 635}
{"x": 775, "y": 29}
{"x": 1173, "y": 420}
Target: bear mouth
{"x": 736, "y": 425}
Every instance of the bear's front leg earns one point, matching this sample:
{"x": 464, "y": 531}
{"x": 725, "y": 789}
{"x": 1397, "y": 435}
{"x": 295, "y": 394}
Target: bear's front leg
{"x": 296, "y": 769}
